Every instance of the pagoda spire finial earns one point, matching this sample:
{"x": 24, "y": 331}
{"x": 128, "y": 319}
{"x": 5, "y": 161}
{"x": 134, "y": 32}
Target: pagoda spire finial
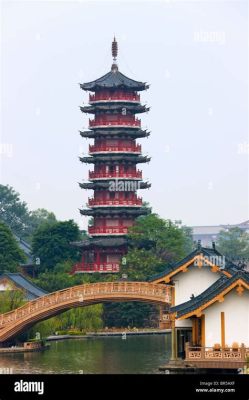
{"x": 114, "y": 54}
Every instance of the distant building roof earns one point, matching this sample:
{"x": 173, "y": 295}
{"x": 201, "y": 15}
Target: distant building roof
{"x": 215, "y": 229}
{"x": 26, "y": 249}
{"x": 206, "y": 230}
{"x": 32, "y": 291}
{"x": 210, "y": 293}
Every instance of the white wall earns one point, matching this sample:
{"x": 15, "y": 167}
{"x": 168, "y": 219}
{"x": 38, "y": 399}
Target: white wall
{"x": 4, "y": 286}
{"x": 194, "y": 281}
{"x": 236, "y": 309}
{"x": 183, "y": 323}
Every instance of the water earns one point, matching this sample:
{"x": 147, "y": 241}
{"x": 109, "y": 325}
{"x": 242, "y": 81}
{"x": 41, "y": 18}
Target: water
{"x": 108, "y": 355}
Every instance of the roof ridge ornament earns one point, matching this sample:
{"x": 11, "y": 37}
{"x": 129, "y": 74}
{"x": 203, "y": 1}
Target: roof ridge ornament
{"x": 114, "y": 55}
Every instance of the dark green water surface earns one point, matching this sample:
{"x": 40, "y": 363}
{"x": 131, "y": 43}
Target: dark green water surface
{"x": 108, "y": 355}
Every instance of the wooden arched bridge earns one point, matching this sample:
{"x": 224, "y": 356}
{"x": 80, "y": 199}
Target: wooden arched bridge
{"x": 20, "y": 319}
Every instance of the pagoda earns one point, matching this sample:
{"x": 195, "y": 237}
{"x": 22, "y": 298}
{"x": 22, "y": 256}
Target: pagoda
{"x": 114, "y": 127}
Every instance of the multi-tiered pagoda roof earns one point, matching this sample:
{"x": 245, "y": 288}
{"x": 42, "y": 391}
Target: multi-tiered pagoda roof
{"x": 114, "y": 102}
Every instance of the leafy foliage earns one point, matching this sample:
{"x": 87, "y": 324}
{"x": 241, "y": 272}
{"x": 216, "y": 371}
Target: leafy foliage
{"x": 81, "y": 319}
{"x": 51, "y": 243}
{"x": 10, "y": 253}
{"x": 155, "y": 242}
{"x": 15, "y": 214}
{"x": 133, "y": 314}
{"x": 234, "y": 243}
{"x": 11, "y": 299}
{"x": 13, "y": 211}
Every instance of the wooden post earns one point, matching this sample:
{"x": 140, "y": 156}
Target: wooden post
{"x": 186, "y": 350}
{"x": 173, "y": 344}
{"x": 222, "y": 321}
{"x": 194, "y": 331}
{"x": 203, "y": 331}
{"x": 243, "y": 352}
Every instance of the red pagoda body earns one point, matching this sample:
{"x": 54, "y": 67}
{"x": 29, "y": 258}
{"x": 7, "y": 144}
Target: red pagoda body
{"x": 114, "y": 102}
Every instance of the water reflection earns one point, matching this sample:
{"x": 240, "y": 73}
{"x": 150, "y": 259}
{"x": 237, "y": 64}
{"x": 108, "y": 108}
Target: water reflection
{"x": 110, "y": 355}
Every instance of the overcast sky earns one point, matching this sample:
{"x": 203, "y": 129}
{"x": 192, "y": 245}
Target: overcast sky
{"x": 194, "y": 55}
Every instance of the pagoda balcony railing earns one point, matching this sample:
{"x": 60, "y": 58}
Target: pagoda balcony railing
{"x": 115, "y": 175}
{"x": 115, "y": 123}
{"x": 118, "y": 148}
{"x": 114, "y": 97}
{"x": 104, "y": 267}
{"x": 107, "y": 230}
{"x": 117, "y": 202}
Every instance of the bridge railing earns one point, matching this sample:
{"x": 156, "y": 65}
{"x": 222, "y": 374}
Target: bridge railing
{"x": 83, "y": 292}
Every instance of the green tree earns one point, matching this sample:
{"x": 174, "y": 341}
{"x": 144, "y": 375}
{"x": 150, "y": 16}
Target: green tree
{"x": 11, "y": 299}
{"x": 234, "y": 243}
{"x": 16, "y": 215}
{"x": 10, "y": 253}
{"x": 155, "y": 242}
{"x": 13, "y": 211}
{"x": 81, "y": 319}
{"x": 133, "y": 314}
{"x": 51, "y": 243}
{"x": 36, "y": 219}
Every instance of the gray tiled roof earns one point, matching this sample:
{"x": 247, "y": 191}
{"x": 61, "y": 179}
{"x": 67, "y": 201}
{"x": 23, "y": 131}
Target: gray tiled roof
{"x": 114, "y": 79}
{"x": 103, "y": 242}
{"x": 215, "y": 289}
{"x": 229, "y": 266}
{"x": 26, "y": 248}
{"x": 32, "y": 291}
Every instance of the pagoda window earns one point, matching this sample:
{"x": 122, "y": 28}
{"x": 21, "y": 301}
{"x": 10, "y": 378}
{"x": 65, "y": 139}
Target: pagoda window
{"x": 112, "y": 142}
{"x": 128, "y": 222}
{"x": 113, "y": 258}
{"x": 98, "y": 222}
{"x": 112, "y": 222}
{"x": 102, "y": 258}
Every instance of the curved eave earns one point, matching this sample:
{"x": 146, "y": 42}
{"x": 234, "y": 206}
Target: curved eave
{"x": 96, "y": 87}
{"x": 101, "y": 242}
{"x": 111, "y": 211}
{"x": 133, "y": 109}
{"x": 114, "y": 79}
{"x": 114, "y": 157}
{"x": 185, "y": 263}
{"x": 115, "y": 133}
{"x": 106, "y": 184}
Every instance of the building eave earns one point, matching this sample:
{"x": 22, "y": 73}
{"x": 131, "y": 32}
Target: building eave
{"x": 186, "y": 262}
